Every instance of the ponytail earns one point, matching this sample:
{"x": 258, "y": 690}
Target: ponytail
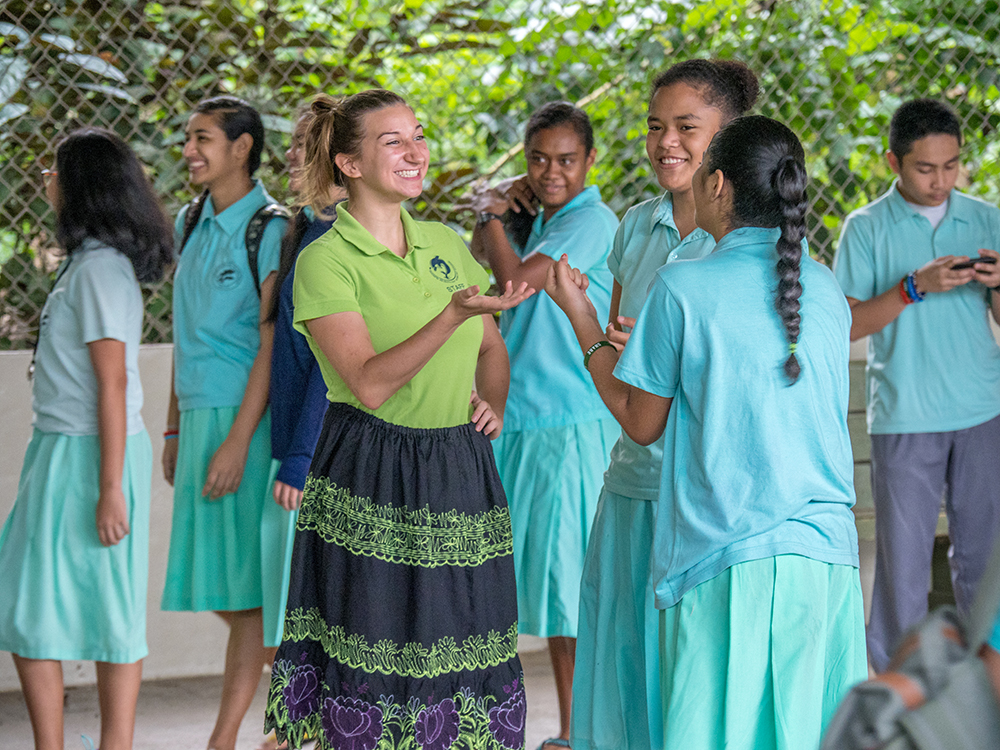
{"x": 765, "y": 165}
{"x": 789, "y": 182}
{"x": 337, "y": 128}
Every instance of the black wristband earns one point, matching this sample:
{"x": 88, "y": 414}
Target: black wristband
{"x": 485, "y": 217}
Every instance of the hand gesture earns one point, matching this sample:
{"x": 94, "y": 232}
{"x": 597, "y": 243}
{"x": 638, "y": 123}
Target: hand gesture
{"x": 619, "y": 338}
{"x": 169, "y": 460}
{"x": 567, "y": 286}
{"x": 468, "y": 303}
{"x": 521, "y": 196}
{"x": 112, "y": 517}
{"x": 484, "y": 418}
{"x": 288, "y": 497}
{"x": 938, "y": 276}
{"x": 225, "y": 470}
{"x": 988, "y": 274}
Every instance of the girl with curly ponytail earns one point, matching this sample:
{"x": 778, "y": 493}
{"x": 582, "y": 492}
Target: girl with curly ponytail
{"x": 740, "y": 360}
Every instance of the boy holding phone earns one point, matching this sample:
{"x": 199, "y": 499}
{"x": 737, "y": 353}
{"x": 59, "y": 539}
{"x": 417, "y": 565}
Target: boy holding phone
{"x": 933, "y": 375}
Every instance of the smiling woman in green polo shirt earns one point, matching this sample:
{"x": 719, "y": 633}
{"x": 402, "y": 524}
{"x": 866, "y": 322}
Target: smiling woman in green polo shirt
{"x": 401, "y": 624}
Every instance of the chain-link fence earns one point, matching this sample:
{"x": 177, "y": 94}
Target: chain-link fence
{"x": 833, "y": 70}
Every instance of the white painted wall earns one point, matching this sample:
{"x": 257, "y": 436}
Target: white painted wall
{"x": 180, "y": 643}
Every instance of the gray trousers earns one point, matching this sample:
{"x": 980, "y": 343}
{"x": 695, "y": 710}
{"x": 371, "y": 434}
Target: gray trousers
{"x": 910, "y": 473}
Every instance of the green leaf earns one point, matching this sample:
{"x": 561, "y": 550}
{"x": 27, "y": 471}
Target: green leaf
{"x": 9, "y": 29}
{"x": 13, "y": 71}
{"x": 10, "y": 111}
{"x": 60, "y": 41}
{"x": 113, "y": 91}
{"x": 94, "y": 65}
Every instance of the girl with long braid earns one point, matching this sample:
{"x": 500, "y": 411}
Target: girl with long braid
{"x": 755, "y": 550}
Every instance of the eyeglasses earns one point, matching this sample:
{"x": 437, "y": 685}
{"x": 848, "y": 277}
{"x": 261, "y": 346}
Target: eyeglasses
{"x": 48, "y": 174}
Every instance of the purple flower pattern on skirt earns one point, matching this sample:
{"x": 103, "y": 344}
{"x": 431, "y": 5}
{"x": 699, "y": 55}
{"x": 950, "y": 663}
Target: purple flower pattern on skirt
{"x": 301, "y": 694}
{"x": 507, "y": 721}
{"x": 436, "y": 727}
{"x": 351, "y": 723}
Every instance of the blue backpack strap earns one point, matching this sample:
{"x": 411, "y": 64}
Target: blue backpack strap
{"x": 255, "y": 233}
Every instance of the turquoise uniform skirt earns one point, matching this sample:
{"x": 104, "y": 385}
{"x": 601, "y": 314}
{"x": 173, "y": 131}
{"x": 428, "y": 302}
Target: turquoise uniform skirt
{"x": 62, "y": 594}
{"x": 277, "y": 533}
{"x": 218, "y": 547}
{"x": 616, "y": 684}
{"x": 553, "y": 479}
{"x": 760, "y": 656}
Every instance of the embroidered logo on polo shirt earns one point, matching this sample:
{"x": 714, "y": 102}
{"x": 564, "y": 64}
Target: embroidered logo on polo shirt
{"x": 226, "y": 277}
{"x": 442, "y": 270}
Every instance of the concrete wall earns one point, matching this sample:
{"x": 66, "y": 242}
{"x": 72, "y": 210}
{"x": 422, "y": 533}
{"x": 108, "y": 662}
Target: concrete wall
{"x": 180, "y": 643}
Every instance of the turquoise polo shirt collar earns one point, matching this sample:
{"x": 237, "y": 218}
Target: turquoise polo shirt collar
{"x": 586, "y": 197}
{"x": 238, "y": 214}
{"x": 900, "y": 210}
{"x": 763, "y": 238}
{"x": 351, "y": 230}
{"x": 664, "y": 214}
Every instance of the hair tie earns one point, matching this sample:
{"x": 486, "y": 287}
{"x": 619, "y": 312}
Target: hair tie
{"x": 792, "y": 348}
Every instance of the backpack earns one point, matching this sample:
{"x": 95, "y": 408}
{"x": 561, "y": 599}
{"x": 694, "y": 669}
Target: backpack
{"x": 936, "y": 694}
{"x": 254, "y": 234}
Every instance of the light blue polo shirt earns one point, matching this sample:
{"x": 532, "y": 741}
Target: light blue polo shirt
{"x": 646, "y": 239}
{"x": 96, "y": 297}
{"x": 936, "y": 367}
{"x": 753, "y": 467}
{"x": 216, "y": 306}
{"x": 549, "y": 386}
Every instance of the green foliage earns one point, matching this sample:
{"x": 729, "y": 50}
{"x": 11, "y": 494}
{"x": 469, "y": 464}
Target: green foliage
{"x": 833, "y": 70}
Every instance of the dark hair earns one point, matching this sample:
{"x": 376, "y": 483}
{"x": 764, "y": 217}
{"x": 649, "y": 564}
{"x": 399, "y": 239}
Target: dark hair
{"x": 336, "y": 128}
{"x": 918, "y": 119}
{"x": 236, "y": 117}
{"x": 105, "y": 195}
{"x": 551, "y": 115}
{"x": 728, "y": 85}
{"x": 765, "y": 164}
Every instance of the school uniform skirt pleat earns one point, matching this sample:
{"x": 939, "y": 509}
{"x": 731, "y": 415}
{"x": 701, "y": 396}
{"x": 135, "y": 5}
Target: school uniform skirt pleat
{"x": 553, "y": 478}
{"x": 401, "y": 624}
{"x": 63, "y": 595}
{"x": 215, "y": 556}
{"x": 760, "y": 656}
{"x": 616, "y": 682}
{"x": 277, "y": 535}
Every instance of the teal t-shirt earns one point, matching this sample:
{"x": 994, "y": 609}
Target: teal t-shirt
{"x": 216, "y": 305}
{"x": 549, "y": 386}
{"x": 936, "y": 367}
{"x": 752, "y": 467}
{"x": 646, "y": 239}
{"x": 96, "y": 297}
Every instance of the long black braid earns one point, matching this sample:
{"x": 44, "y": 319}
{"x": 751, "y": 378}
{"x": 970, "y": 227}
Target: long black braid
{"x": 765, "y": 165}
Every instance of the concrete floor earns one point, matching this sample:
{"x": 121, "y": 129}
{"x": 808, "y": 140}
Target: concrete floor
{"x": 180, "y": 714}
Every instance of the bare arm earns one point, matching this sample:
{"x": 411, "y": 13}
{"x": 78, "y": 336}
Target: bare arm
{"x": 492, "y": 381}
{"x": 373, "y": 378}
{"x": 169, "y": 458}
{"x": 108, "y": 358}
{"x": 504, "y": 262}
{"x": 872, "y": 315}
{"x": 225, "y": 470}
{"x": 642, "y": 415}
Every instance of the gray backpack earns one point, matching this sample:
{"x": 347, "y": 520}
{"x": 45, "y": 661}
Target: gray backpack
{"x": 936, "y": 694}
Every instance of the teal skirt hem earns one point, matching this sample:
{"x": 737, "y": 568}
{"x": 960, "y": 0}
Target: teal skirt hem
{"x": 277, "y": 535}
{"x": 553, "y": 479}
{"x": 616, "y": 682}
{"x": 759, "y": 657}
{"x": 63, "y": 595}
{"x": 216, "y": 549}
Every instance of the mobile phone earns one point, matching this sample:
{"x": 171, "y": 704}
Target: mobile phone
{"x": 971, "y": 263}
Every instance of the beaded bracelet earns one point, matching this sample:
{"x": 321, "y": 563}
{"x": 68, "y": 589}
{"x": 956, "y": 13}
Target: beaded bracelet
{"x": 905, "y": 295}
{"x": 591, "y": 350}
{"x": 911, "y": 288}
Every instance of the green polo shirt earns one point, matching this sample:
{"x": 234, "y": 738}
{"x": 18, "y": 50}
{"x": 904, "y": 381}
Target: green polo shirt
{"x": 935, "y": 368}
{"x": 349, "y": 270}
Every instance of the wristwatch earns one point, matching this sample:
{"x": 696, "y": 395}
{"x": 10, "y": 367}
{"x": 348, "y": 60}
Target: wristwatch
{"x": 485, "y": 217}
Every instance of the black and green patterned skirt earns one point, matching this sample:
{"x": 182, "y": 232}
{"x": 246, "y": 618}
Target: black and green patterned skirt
{"x": 401, "y": 627}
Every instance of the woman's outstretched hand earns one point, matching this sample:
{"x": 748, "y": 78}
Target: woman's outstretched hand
{"x": 484, "y": 418}
{"x": 468, "y": 303}
{"x": 567, "y": 286}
